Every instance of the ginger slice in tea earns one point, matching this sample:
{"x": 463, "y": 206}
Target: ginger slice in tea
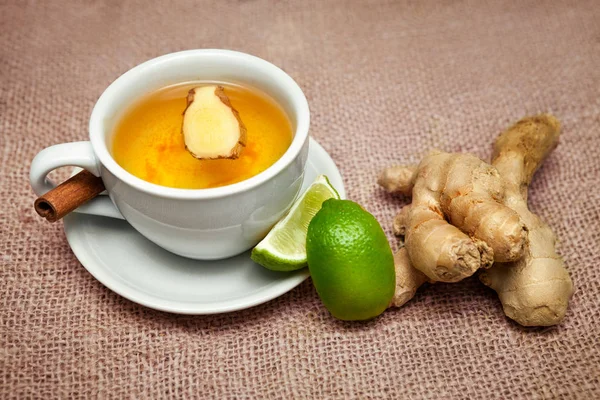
{"x": 212, "y": 128}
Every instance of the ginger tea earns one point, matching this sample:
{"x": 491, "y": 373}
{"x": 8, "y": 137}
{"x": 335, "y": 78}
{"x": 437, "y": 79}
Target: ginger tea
{"x": 148, "y": 141}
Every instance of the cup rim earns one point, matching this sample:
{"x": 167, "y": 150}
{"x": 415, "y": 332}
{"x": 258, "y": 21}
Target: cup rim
{"x": 276, "y": 73}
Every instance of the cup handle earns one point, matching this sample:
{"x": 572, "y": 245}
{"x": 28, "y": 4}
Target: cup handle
{"x": 78, "y": 154}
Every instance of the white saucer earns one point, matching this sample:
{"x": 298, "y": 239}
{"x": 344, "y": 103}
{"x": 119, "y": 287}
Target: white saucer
{"x": 137, "y": 269}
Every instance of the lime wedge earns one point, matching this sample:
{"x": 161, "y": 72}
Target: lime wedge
{"x": 284, "y": 248}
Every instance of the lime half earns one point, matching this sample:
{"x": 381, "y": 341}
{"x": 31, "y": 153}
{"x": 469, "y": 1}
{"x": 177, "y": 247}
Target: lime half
{"x": 284, "y": 248}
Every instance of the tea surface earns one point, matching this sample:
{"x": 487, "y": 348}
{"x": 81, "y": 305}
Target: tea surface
{"x": 148, "y": 142}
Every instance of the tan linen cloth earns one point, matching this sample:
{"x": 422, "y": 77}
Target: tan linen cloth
{"x": 386, "y": 81}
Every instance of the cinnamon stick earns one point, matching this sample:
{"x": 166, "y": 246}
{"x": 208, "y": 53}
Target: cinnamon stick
{"x": 75, "y": 191}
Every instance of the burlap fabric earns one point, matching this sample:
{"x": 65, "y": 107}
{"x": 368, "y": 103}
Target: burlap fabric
{"x": 386, "y": 81}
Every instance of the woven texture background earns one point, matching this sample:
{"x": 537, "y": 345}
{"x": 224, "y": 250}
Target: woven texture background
{"x": 386, "y": 81}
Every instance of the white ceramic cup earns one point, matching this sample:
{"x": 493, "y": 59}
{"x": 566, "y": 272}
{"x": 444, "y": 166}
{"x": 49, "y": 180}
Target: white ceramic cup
{"x": 200, "y": 223}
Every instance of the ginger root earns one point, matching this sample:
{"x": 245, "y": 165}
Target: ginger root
{"x": 212, "y": 128}
{"x": 466, "y": 213}
{"x": 535, "y": 289}
{"x": 457, "y": 222}
{"x": 408, "y": 279}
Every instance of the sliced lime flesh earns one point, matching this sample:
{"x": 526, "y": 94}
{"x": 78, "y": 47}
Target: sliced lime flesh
{"x": 284, "y": 247}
